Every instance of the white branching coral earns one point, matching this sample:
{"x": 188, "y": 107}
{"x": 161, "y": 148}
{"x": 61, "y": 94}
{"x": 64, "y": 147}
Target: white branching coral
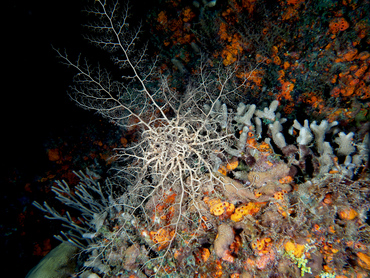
{"x": 269, "y": 113}
{"x": 277, "y": 136}
{"x": 244, "y": 114}
{"x": 320, "y": 131}
{"x": 345, "y": 142}
{"x": 305, "y": 135}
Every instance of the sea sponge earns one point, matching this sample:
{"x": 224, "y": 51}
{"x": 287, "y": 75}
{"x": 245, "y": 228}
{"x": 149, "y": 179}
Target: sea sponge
{"x": 363, "y": 260}
{"x": 224, "y": 239}
{"x": 240, "y": 212}
{"x": 232, "y": 164}
{"x": 348, "y": 214}
{"x": 221, "y": 207}
{"x": 272, "y": 176}
{"x": 262, "y": 245}
{"x": 237, "y": 216}
{"x": 294, "y": 248}
{"x": 130, "y": 256}
{"x": 162, "y": 237}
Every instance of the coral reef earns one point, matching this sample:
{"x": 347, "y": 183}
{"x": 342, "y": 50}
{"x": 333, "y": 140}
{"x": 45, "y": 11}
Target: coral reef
{"x": 215, "y": 184}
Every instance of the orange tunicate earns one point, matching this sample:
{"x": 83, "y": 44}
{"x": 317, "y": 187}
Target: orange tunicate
{"x": 354, "y": 82}
{"x": 348, "y": 91}
{"x": 265, "y": 31}
{"x": 334, "y": 27}
{"x": 252, "y": 142}
{"x": 188, "y": 15}
{"x": 348, "y": 214}
{"x": 259, "y": 58}
{"x": 353, "y": 67}
{"x": 257, "y": 194}
{"x": 281, "y": 74}
{"x": 262, "y": 244}
{"x": 230, "y": 209}
{"x": 287, "y": 87}
{"x": 124, "y": 142}
{"x": 289, "y": 13}
{"x": 211, "y": 202}
{"x": 162, "y": 17}
{"x": 264, "y": 147}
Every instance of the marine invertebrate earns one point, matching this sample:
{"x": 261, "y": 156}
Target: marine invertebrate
{"x": 348, "y": 214}
{"x": 250, "y": 209}
{"x": 219, "y": 208}
{"x": 363, "y": 260}
{"x": 225, "y": 238}
{"x": 162, "y": 237}
{"x": 338, "y": 24}
{"x": 301, "y": 262}
{"x": 294, "y": 249}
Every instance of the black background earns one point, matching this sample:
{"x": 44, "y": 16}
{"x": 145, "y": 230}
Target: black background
{"x": 35, "y": 106}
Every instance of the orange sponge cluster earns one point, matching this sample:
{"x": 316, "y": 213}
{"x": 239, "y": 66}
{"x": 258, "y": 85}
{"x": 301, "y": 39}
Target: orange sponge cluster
{"x": 218, "y": 208}
{"x": 294, "y": 248}
{"x": 250, "y": 209}
{"x": 263, "y": 245}
{"x": 162, "y": 237}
